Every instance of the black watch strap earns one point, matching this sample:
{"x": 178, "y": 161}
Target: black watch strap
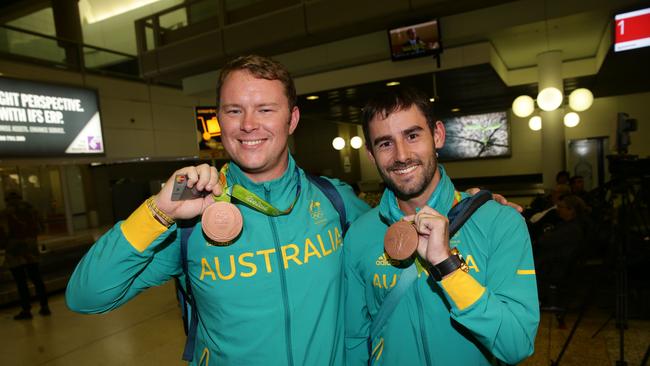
{"x": 445, "y": 267}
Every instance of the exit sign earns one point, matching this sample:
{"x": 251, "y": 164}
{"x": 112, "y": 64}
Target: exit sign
{"x": 632, "y": 30}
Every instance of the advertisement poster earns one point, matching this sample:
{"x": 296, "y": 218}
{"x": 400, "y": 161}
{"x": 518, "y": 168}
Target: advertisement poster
{"x": 45, "y": 120}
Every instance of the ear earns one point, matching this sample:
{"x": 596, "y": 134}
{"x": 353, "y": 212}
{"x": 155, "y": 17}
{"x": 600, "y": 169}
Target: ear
{"x": 370, "y": 156}
{"x": 295, "y": 117}
{"x": 439, "y": 135}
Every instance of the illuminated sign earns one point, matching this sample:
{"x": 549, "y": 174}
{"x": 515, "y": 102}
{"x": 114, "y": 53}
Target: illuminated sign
{"x": 632, "y": 30}
{"x": 44, "y": 120}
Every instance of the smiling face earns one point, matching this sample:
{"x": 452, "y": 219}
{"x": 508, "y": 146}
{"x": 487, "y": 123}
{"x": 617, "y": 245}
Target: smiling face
{"x": 403, "y": 147}
{"x": 256, "y": 122}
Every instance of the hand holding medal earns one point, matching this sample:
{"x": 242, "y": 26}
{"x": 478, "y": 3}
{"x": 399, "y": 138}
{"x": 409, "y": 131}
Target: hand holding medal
{"x": 426, "y": 232}
{"x": 222, "y": 221}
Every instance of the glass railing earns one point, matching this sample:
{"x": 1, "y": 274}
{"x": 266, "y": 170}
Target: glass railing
{"x": 42, "y": 48}
{"x": 196, "y": 16}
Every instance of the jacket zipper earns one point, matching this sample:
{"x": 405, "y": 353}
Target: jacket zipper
{"x": 283, "y": 283}
{"x": 425, "y": 343}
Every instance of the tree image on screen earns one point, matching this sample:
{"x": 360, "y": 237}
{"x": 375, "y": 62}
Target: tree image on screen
{"x": 476, "y": 136}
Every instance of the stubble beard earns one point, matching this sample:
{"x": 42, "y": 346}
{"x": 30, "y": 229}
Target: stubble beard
{"x": 414, "y": 189}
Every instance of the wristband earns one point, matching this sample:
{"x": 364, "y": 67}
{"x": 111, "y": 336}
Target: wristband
{"x": 157, "y": 213}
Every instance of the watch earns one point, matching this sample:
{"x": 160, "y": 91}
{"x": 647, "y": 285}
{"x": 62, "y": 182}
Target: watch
{"x": 454, "y": 262}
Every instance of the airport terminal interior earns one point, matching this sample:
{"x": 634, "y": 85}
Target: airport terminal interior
{"x": 102, "y": 100}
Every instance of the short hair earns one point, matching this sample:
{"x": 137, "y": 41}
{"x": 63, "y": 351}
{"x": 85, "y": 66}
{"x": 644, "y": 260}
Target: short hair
{"x": 394, "y": 100}
{"x": 562, "y": 173}
{"x": 262, "y": 68}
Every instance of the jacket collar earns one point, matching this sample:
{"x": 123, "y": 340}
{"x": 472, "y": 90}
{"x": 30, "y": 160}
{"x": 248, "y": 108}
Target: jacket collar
{"x": 286, "y": 183}
{"x": 441, "y": 200}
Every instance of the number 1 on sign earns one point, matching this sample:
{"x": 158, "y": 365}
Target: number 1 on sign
{"x": 621, "y": 24}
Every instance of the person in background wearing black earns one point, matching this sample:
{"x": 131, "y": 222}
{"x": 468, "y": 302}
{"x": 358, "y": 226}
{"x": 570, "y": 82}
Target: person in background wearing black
{"x": 20, "y": 222}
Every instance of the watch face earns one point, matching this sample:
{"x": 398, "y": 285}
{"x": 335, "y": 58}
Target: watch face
{"x": 463, "y": 266}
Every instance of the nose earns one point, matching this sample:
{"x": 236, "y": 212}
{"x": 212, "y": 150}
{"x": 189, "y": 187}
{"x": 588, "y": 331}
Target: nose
{"x": 249, "y": 123}
{"x": 401, "y": 151}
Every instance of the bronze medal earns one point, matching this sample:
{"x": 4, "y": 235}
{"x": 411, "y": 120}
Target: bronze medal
{"x": 401, "y": 240}
{"x": 222, "y": 222}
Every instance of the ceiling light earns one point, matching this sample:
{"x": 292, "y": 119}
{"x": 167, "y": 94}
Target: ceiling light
{"x": 523, "y": 106}
{"x": 581, "y": 99}
{"x": 535, "y": 123}
{"x": 392, "y": 83}
{"x": 356, "y": 142}
{"x": 432, "y": 99}
{"x": 312, "y": 97}
{"x": 571, "y": 119}
{"x": 455, "y": 110}
{"x": 338, "y": 143}
{"x": 549, "y": 99}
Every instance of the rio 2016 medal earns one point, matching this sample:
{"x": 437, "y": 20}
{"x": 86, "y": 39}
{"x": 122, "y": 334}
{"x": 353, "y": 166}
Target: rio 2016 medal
{"x": 222, "y": 222}
{"x": 401, "y": 240}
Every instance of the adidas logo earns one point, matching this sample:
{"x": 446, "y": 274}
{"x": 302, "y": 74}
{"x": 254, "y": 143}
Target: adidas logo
{"x": 384, "y": 260}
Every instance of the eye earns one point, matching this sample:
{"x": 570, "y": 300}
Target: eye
{"x": 412, "y": 136}
{"x": 384, "y": 144}
{"x": 233, "y": 111}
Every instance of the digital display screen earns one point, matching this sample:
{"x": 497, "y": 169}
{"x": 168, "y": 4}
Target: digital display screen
{"x": 632, "y": 30}
{"x": 45, "y": 120}
{"x": 208, "y": 127}
{"x": 476, "y": 136}
{"x": 415, "y": 40}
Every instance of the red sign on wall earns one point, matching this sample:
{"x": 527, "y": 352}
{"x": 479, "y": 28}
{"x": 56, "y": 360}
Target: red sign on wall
{"x": 632, "y": 30}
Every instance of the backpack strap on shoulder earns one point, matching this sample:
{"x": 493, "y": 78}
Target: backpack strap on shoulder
{"x": 333, "y": 195}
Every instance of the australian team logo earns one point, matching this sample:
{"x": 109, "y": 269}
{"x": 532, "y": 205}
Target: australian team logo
{"x": 316, "y": 213}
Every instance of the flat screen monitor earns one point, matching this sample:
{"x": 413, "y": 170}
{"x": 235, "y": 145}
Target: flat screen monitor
{"x": 415, "y": 40}
{"x": 45, "y": 120}
{"x": 632, "y": 30}
{"x": 476, "y": 136}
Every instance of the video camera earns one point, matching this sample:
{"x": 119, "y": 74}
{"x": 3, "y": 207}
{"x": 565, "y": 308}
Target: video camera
{"x": 624, "y": 126}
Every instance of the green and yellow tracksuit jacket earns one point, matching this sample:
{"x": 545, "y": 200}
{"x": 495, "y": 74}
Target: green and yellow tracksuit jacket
{"x": 273, "y": 297}
{"x": 475, "y": 318}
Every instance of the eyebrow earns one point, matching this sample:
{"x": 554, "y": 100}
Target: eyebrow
{"x": 406, "y": 132}
{"x": 272, "y": 104}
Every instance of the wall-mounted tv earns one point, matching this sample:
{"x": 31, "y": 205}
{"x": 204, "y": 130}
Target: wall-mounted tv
{"x": 44, "y": 120}
{"x": 632, "y": 30}
{"x": 415, "y": 40}
{"x": 476, "y": 136}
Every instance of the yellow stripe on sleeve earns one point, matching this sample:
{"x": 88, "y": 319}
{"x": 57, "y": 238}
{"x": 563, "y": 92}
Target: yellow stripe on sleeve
{"x": 141, "y": 228}
{"x": 462, "y": 288}
{"x": 525, "y": 271}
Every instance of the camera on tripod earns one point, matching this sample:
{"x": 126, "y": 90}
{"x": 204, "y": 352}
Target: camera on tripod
{"x": 624, "y": 126}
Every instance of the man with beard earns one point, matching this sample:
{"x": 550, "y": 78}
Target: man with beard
{"x": 472, "y": 309}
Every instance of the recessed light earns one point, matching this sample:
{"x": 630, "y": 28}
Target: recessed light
{"x": 432, "y": 100}
{"x": 455, "y": 109}
{"x": 392, "y": 83}
{"x": 312, "y": 97}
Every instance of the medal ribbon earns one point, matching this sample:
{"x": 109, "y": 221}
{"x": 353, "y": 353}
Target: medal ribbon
{"x": 249, "y": 198}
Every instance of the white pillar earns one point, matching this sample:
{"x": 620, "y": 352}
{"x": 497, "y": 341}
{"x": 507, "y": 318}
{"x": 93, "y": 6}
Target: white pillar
{"x": 549, "y": 66}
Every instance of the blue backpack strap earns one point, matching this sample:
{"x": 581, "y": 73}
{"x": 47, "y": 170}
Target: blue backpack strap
{"x": 186, "y": 298}
{"x": 457, "y": 216}
{"x": 333, "y": 195}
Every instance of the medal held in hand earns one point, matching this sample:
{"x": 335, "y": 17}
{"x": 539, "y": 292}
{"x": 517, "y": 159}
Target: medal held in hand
{"x": 401, "y": 240}
{"x": 222, "y": 222}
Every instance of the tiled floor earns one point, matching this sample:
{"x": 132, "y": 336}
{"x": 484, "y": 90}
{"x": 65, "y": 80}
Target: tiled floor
{"x": 148, "y": 331}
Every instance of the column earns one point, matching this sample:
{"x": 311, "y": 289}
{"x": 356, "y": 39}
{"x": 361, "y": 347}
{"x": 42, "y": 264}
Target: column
{"x": 549, "y": 66}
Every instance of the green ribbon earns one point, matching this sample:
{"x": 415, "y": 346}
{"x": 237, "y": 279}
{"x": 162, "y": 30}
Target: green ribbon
{"x": 249, "y": 198}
